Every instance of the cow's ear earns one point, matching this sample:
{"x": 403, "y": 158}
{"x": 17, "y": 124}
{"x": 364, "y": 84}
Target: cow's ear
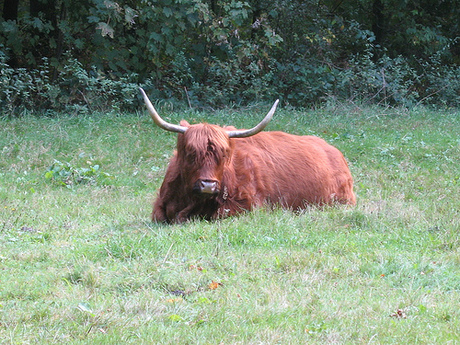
{"x": 184, "y": 123}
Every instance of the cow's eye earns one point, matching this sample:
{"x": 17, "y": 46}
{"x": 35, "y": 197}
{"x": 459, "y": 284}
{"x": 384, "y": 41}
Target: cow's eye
{"x": 191, "y": 157}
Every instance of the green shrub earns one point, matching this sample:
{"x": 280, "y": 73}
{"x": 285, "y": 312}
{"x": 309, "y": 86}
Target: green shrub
{"x": 68, "y": 175}
{"x": 82, "y": 57}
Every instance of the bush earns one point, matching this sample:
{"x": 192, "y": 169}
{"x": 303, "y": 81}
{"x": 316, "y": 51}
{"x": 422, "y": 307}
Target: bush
{"x": 75, "y": 89}
{"x": 78, "y": 57}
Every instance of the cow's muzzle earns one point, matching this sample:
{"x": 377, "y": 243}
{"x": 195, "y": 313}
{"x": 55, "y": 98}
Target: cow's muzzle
{"x": 206, "y": 188}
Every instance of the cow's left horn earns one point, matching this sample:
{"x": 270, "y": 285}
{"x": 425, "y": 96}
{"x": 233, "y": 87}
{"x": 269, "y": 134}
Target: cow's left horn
{"x": 158, "y": 120}
{"x": 244, "y": 133}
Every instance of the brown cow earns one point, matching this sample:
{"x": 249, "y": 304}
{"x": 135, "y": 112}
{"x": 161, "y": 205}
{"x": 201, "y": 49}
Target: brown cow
{"x": 217, "y": 172}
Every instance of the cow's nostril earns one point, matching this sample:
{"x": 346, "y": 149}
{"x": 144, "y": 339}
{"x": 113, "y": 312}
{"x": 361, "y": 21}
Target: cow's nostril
{"x": 208, "y": 187}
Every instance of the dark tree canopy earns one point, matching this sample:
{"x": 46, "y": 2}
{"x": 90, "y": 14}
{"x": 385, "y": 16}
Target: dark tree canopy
{"x": 93, "y": 54}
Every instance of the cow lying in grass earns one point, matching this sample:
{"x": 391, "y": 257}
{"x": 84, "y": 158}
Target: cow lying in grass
{"x": 221, "y": 171}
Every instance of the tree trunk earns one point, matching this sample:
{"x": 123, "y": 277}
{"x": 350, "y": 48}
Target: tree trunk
{"x": 46, "y": 7}
{"x": 10, "y": 9}
{"x": 378, "y": 24}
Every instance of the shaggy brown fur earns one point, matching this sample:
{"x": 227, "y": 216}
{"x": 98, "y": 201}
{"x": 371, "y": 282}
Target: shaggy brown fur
{"x": 267, "y": 168}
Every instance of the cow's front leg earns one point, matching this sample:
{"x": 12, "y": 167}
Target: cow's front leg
{"x": 183, "y": 215}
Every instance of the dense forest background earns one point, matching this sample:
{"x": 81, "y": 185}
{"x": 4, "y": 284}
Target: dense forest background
{"x": 88, "y": 55}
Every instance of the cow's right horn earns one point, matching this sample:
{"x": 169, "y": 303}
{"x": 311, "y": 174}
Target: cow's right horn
{"x": 244, "y": 133}
{"x": 158, "y": 120}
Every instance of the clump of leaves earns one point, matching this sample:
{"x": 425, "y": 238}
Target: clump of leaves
{"x": 68, "y": 175}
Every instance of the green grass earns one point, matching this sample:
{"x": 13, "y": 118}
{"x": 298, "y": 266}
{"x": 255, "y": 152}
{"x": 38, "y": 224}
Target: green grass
{"x": 81, "y": 263}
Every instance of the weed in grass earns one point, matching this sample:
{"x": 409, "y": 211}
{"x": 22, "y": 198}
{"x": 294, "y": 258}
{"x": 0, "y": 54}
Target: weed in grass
{"x": 67, "y": 175}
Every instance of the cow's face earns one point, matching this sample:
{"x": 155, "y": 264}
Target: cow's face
{"x": 203, "y": 151}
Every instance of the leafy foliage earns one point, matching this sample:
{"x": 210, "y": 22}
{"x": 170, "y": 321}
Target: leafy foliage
{"x": 65, "y": 174}
{"x": 94, "y": 54}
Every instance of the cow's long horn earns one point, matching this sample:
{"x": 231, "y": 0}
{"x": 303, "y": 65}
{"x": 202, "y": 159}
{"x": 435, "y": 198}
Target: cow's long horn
{"x": 158, "y": 120}
{"x": 244, "y": 133}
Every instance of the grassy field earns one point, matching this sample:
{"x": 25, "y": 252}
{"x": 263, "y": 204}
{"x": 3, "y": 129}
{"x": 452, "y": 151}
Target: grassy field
{"x": 81, "y": 263}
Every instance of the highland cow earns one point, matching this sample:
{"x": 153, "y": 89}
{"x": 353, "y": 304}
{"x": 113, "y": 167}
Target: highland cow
{"x": 221, "y": 171}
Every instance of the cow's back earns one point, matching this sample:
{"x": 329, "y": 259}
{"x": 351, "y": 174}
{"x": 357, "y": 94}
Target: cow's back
{"x": 292, "y": 170}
